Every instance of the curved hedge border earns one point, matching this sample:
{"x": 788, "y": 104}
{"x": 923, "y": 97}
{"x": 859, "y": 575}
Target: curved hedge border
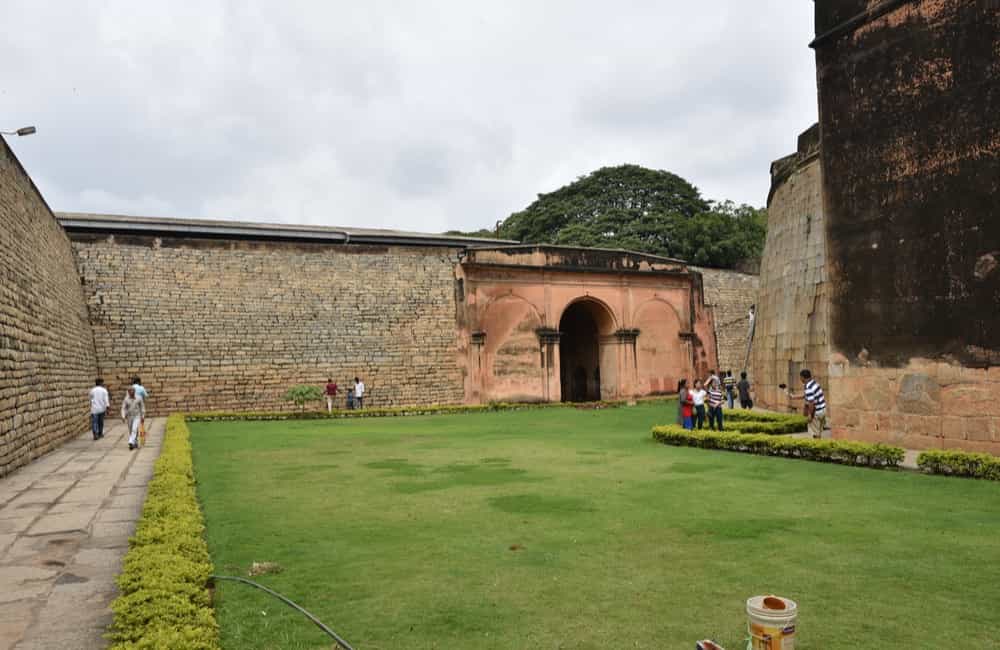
{"x": 743, "y": 421}
{"x": 834, "y": 451}
{"x": 164, "y": 600}
{"x": 395, "y": 411}
{"x": 960, "y": 463}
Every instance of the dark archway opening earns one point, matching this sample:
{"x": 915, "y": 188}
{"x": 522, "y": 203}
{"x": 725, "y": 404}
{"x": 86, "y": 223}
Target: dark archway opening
{"x": 579, "y": 354}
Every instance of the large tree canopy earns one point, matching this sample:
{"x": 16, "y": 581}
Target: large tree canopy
{"x": 644, "y": 210}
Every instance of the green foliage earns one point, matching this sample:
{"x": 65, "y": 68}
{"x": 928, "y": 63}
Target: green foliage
{"x": 837, "y": 451}
{"x": 644, "y": 210}
{"x": 395, "y": 411}
{"x": 482, "y": 233}
{"x": 744, "y": 421}
{"x": 960, "y": 463}
{"x": 304, "y": 393}
{"x": 164, "y": 601}
{"x": 398, "y": 532}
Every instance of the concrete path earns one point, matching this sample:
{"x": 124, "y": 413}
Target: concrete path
{"x": 65, "y": 520}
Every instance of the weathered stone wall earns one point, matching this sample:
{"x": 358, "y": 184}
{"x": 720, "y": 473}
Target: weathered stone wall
{"x": 231, "y": 324}
{"x": 793, "y": 300}
{"x": 729, "y": 295}
{"x": 909, "y": 95}
{"x": 46, "y": 347}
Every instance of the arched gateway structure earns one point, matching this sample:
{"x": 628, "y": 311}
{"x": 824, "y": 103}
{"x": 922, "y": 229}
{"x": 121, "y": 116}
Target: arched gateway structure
{"x": 550, "y": 323}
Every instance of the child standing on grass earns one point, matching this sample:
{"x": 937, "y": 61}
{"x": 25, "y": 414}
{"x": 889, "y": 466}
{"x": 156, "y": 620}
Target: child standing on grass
{"x": 715, "y": 399}
{"x": 698, "y": 398}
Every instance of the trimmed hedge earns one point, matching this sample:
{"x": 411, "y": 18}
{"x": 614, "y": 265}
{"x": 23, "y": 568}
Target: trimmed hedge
{"x": 395, "y": 411}
{"x": 164, "y": 601}
{"x": 834, "y": 451}
{"x": 960, "y": 463}
{"x": 743, "y": 421}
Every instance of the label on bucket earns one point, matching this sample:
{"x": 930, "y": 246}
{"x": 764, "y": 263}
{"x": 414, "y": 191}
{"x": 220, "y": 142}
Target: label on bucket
{"x": 772, "y": 638}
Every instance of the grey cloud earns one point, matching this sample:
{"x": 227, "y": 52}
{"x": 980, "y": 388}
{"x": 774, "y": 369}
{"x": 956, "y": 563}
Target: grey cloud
{"x": 435, "y": 115}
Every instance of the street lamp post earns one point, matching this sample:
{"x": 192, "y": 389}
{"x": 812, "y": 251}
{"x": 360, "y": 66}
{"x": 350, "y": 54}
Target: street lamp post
{"x": 24, "y": 130}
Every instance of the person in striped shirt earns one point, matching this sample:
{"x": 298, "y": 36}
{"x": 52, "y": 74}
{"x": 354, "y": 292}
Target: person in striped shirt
{"x": 815, "y": 407}
{"x": 715, "y": 399}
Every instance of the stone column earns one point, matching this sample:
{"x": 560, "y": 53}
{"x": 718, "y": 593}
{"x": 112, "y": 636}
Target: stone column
{"x": 548, "y": 344}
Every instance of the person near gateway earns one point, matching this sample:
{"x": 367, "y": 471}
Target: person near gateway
{"x": 100, "y": 402}
{"x": 331, "y": 394}
{"x": 359, "y": 393}
{"x": 133, "y": 413}
{"x": 815, "y": 403}
{"x": 698, "y": 397}
{"x": 729, "y": 383}
{"x": 743, "y": 388}
{"x": 715, "y": 401}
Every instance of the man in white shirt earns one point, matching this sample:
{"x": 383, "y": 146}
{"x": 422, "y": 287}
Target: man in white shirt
{"x": 133, "y": 413}
{"x": 99, "y": 404}
{"x": 359, "y": 393}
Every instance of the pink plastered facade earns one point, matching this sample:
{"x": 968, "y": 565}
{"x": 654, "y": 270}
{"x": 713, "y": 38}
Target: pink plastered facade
{"x": 549, "y": 323}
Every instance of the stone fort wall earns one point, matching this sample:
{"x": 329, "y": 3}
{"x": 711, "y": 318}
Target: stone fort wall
{"x": 46, "y": 346}
{"x": 910, "y": 149}
{"x": 231, "y": 325}
{"x": 793, "y": 301}
{"x": 729, "y": 295}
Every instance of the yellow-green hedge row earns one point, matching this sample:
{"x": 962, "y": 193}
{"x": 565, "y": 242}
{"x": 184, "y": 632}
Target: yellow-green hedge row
{"x": 960, "y": 463}
{"x": 836, "y": 451}
{"x": 164, "y": 600}
{"x": 393, "y": 411}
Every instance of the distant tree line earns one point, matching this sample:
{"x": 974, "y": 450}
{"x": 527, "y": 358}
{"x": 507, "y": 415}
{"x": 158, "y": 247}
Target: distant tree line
{"x": 644, "y": 210}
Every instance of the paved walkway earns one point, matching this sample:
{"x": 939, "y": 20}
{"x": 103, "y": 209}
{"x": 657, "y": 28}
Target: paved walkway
{"x": 65, "y": 520}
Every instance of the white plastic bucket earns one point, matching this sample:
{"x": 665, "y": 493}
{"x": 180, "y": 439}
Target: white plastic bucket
{"x": 772, "y": 622}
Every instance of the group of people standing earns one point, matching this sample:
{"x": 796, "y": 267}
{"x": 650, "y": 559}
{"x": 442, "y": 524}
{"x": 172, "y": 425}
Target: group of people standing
{"x": 133, "y": 409}
{"x": 355, "y": 395}
{"x": 707, "y": 398}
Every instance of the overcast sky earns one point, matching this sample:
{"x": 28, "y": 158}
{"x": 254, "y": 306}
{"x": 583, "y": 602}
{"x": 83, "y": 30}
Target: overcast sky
{"x": 426, "y": 115}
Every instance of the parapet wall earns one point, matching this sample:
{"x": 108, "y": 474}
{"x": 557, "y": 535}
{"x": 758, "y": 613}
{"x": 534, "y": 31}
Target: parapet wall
{"x": 729, "y": 295}
{"x": 793, "y": 301}
{"x": 219, "y": 324}
{"x": 46, "y": 347}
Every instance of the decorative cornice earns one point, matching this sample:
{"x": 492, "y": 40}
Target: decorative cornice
{"x": 548, "y": 334}
{"x": 627, "y": 335}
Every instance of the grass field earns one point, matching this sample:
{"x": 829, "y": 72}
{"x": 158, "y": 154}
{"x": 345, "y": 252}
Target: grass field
{"x": 572, "y": 529}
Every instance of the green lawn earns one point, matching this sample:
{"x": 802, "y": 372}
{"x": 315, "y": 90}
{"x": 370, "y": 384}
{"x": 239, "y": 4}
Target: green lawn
{"x": 572, "y": 529}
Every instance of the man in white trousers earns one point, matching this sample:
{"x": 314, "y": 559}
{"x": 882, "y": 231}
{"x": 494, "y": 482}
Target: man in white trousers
{"x": 133, "y": 413}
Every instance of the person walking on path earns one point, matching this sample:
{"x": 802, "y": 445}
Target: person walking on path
{"x": 143, "y": 394}
{"x": 331, "y": 394}
{"x": 133, "y": 413}
{"x": 100, "y": 401}
{"x": 815, "y": 406}
{"x": 698, "y": 397}
{"x": 729, "y": 383}
{"x": 359, "y": 393}
{"x": 744, "y": 390}
{"x": 714, "y": 407}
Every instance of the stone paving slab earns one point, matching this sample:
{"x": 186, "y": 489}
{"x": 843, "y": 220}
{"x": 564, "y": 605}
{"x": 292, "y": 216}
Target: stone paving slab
{"x": 65, "y": 520}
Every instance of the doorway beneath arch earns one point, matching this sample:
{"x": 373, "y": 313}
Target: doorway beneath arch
{"x": 580, "y": 352}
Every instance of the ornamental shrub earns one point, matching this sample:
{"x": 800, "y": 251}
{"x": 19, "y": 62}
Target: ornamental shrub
{"x": 303, "y": 393}
{"x": 164, "y": 600}
{"x": 846, "y": 452}
{"x": 960, "y": 463}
